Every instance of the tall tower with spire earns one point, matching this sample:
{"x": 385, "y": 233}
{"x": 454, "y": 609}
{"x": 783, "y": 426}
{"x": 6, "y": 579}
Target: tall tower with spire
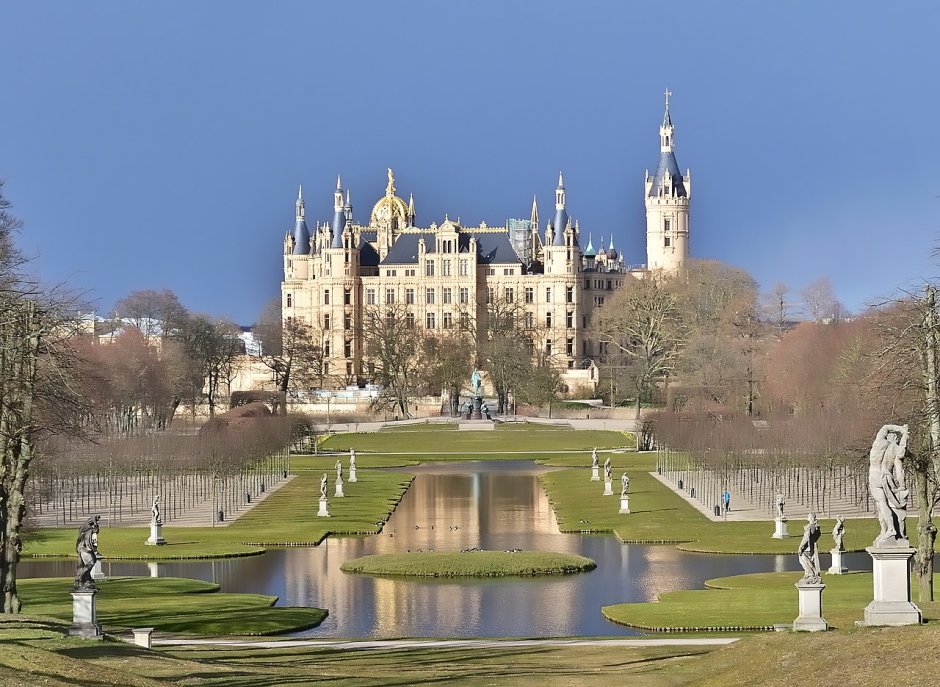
{"x": 667, "y": 194}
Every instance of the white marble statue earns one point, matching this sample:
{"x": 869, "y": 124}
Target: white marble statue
{"x": 607, "y": 468}
{"x": 780, "y": 503}
{"x": 887, "y": 485}
{"x": 624, "y": 484}
{"x": 155, "y": 511}
{"x": 838, "y": 532}
{"x": 594, "y": 462}
{"x": 352, "y": 459}
{"x": 808, "y": 551}
{"x": 339, "y": 470}
{"x": 323, "y": 488}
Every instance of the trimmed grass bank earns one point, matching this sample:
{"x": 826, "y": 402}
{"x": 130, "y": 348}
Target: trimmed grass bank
{"x": 751, "y": 602}
{"x": 287, "y": 517}
{"x": 171, "y": 604}
{"x": 470, "y": 564}
{"x": 659, "y": 515}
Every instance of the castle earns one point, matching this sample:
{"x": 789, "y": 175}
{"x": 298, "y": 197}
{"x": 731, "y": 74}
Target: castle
{"x": 441, "y": 273}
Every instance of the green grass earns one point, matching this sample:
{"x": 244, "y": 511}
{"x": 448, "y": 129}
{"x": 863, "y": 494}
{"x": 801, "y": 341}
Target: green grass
{"x": 470, "y": 564}
{"x": 757, "y": 601}
{"x": 288, "y": 517}
{"x": 659, "y": 515}
{"x": 424, "y": 439}
{"x": 169, "y": 604}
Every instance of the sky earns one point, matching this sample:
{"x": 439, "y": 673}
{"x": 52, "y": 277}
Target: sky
{"x": 160, "y": 145}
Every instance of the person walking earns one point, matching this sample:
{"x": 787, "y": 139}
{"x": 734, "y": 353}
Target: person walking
{"x": 726, "y": 500}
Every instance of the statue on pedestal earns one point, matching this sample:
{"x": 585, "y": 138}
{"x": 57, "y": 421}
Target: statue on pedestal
{"x": 780, "y": 503}
{"x": 476, "y": 383}
{"x": 339, "y": 470}
{"x": 323, "y": 488}
{"x": 155, "y": 512}
{"x": 352, "y": 459}
{"x": 86, "y": 546}
{"x": 887, "y": 485}
{"x": 594, "y": 462}
{"x": 838, "y": 532}
{"x": 808, "y": 552}
{"x": 624, "y": 484}
{"x": 607, "y": 468}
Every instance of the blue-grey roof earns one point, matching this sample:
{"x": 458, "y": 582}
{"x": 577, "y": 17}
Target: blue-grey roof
{"x": 492, "y": 247}
{"x": 339, "y": 223}
{"x": 301, "y": 238}
{"x": 368, "y": 256}
{"x": 561, "y": 221}
{"x": 589, "y": 251}
{"x": 668, "y": 165}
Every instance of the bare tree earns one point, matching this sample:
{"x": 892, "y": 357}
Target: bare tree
{"x": 642, "y": 324}
{"x": 212, "y": 345}
{"x": 819, "y": 300}
{"x": 393, "y": 344}
{"x": 447, "y": 363}
{"x": 154, "y": 313}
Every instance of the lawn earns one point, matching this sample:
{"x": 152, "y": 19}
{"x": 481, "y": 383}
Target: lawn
{"x": 470, "y": 564}
{"x": 170, "y": 604}
{"x": 757, "y": 601}
{"x": 504, "y": 439}
{"x": 659, "y": 515}
{"x": 288, "y": 517}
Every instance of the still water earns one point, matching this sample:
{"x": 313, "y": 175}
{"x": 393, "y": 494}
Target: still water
{"x": 452, "y": 506}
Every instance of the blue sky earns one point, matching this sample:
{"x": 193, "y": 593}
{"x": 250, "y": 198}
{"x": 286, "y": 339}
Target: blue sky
{"x": 160, "y": 145}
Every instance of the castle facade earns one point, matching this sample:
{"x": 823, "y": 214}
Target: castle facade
{"x": 440, "y": 275}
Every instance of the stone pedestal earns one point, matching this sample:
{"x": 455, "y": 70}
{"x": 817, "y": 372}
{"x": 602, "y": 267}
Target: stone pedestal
{"x": 96, "y": 572}
{"x": 837, "y": 568}
{"x": 323, "y": 512}
{"x": 476, "y": 408}
{"x": 352, "y": 474}
{"x": 780, "y": 531}
{"x": 154, "y": 569}
{"x": 892, "y": 605}
{"x": 85, "y": 616}
{"x": 339, "y": 489}
{"x": 810, "y": 619}
{"x": 595, "y": 474}
{"x": 608, "y": 488}
{"x": 156, "y": 535}
{"x": 142, "y": 636}
{"x": 624, "y": 504}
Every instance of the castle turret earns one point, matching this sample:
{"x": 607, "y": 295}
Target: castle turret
{"x": 301, "y": 243}
{"x": 668, "y": 194}
{"x": 561, "y": 215}
{"x": 339, "y": 215}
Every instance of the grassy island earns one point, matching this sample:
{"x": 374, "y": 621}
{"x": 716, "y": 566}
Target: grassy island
{"x": 470, "y": 564}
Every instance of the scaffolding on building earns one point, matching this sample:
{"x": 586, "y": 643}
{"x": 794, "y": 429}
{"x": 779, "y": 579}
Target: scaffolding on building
{"x": 525, "y": 240}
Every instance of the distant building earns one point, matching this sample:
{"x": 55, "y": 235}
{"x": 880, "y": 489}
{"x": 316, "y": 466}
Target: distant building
{"x": 441, "y": 273}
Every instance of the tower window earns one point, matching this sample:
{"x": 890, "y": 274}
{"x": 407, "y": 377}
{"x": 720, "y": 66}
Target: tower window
{"x": 326, "y": 297}
{"x": 347, "y": 296}
{"x": 667, "y": 224}
{"x": 290, "y": 300}
{"x": 667, "y": 242}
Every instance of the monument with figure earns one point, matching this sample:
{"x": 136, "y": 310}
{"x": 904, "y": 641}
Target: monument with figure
{"x": 608, "y": 479}
{"x": 595, "y": 467}
{"x": 780, "y": 522}
{"x": 156, "y": 525}
{"x": 352, "y": 465}
{"x": 84, "y": 613}
{"x": 891, "y": 551}
{"x": 476, "y": 395}
{"x": 624, "y": 498}
{"x": 810, "y": 586}
{"x": 339, "y": 479}
{"x": 838, "y": 548}
{"x": 323, "y": 512}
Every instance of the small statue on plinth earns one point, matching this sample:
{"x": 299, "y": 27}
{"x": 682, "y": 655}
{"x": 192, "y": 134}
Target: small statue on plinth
{"x": 476, "y": 383}
{"x": 352, "y": 459}
{"x": 155, "y": 511}
{"x": 607, "y": 469}
{"x": 838, "y": 532}
{"x": 323, "y": 488}
{"x": 624, "y": 484}
{"x": 86, "y": 546}
{"x": 887, "y": 485}
{"x": 339, "y": 470}
{"x": 808, "y": 552}
{"x": 780, "y": 504}
{"x": 594, "y": 463}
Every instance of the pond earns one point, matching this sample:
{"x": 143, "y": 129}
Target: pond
{"x": 495, "y": 505}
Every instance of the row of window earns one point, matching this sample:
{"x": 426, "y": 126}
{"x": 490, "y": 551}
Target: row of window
{"x": 509, "y": 295}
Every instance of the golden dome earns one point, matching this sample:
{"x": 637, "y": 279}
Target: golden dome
{"x": 390, "y": 207}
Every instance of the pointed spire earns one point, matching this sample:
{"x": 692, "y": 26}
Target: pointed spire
{"x": 301, "y": 233}
{"x": 589, "y": 251}
{"x": 561, "y": 216}
{"x": 534, "y": 217}
{"x": 411, "y": 208}
{"x": 339, "y": 215}
{"x": 667, "y": 120}
{"x": 611, "y": 242}
{"x": 339, "y": 183}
